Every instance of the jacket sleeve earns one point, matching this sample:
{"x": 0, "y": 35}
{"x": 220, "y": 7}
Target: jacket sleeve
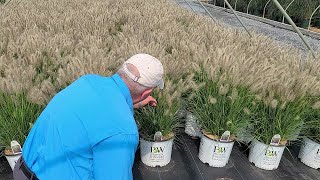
{"x": 113, "y": 157}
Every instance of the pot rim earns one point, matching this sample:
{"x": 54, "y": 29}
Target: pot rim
{"x": 10, "y": 150}
{"x": 141, "y": 137}
{"x": 20, "y": 153}
{"x": 312, "y": 140}
{"x": 268, "y": 144}
{"x": 205, "y": 134}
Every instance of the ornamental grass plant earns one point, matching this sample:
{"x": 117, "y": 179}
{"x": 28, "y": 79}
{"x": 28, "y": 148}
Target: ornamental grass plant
{"x": 163, "y": 117}
{"x": 17, "y": 116}
{"x": 279, "y": 117}
{"x": 221, "y": 107}
{"x": 312, "y": 123}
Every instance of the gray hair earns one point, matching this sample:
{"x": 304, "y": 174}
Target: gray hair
{"x": 135, "y": 87}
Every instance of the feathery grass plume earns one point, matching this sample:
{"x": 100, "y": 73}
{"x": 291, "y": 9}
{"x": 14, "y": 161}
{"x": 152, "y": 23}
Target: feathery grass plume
{"x": 316, "y": 105}
{"x": 283, "y": 105}
{"x": 223, "y": 89}
{"x": 274, "y": 103}
{"x": 212, "y": 100}
{"x": 234, "y": 94}
{"x": 258, "y": 97}
{"x": 247, "y": 111}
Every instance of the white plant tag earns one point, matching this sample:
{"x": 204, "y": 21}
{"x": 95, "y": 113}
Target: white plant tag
{"x": 225, "y": 136}
{"x": 15, "y": 147}
{"x": 158, "y": 136}
{"x": 275, "y": 141}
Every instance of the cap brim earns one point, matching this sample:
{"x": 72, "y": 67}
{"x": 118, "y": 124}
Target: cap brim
{"x": 161, "y": 84}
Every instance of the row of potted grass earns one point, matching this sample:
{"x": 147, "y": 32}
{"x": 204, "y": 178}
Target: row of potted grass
{"x": 221, "y": 114}
{"x": 218, "y": 112}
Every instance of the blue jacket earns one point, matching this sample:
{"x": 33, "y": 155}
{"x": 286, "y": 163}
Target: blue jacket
{"x": 87, "y": 131}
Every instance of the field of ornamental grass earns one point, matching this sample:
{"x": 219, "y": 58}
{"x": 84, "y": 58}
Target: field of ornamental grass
{"x": 45, "y": 45}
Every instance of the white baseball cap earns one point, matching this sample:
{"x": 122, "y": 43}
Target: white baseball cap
{"x": 150, "y": 70}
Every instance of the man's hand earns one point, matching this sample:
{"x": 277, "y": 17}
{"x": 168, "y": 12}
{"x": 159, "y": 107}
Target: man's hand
{"x": 149, "y": 100}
